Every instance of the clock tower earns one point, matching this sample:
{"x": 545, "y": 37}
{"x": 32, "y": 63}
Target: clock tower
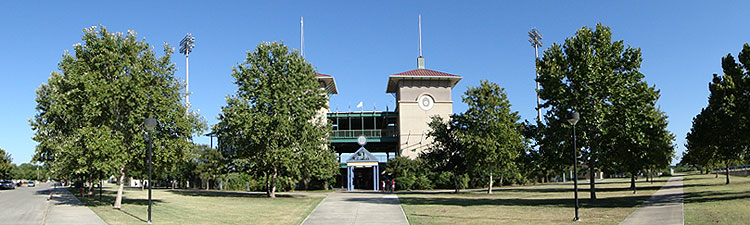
{"x": 420, "y": 94}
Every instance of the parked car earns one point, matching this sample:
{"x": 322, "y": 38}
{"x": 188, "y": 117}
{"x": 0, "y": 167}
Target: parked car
{"x": 6, "y": 184}
{"x": 31, "y": 184}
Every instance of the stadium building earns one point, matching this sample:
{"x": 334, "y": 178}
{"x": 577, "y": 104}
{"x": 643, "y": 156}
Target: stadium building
{"x": 365, "y": 140}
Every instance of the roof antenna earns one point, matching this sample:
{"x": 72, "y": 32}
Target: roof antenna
{"x": 420, "y": 35}
{"x": 302, "y": 36}
{"x": 420, "y": 59}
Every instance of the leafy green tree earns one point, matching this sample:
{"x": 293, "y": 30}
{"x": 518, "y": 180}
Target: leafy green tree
{"x": 408, "y": 173}
{"x": 271, "y": 121}
{"x": 583, "y": 75}
{"x": 210, "y": 164}
{"x": 637, "y": 129}
{"x": 491, "y": 132}
{"x": 5, "y": 164}
{"x": 720, "y": 131}
{"x": 320, "y": 165}
{"x": 90, "y": 114}
{"x": 700, "y": 147}
{"x": 447, "y": 154}
{"x": 29, "y": 171}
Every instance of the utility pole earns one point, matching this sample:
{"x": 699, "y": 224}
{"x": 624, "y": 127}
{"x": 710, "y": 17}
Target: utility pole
{"x": 535, "y": 38}
{"x": 186, "y": 46}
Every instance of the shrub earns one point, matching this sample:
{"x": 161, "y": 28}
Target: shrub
{"x": 423, "y": 183}
{"x": 405, "y": 182}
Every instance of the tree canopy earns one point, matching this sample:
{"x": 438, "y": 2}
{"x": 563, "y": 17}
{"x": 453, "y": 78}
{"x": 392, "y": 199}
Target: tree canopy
{"x": 272, "y": 119}
{"x": 490, "y": 130}
{"x": 590, "y": 74}
{"x": 90, "y": 114}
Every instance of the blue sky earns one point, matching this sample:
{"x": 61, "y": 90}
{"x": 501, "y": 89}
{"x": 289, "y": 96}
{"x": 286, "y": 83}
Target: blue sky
{"x": 362, "y": 42}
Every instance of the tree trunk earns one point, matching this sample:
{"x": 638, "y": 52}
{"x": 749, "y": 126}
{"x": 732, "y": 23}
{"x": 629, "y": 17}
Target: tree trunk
{"x": 455, "y": 183}
{"x": 118, "y": 199}
{"x": 325, "y": 185}
{"x": 268, "y": 184}
{"x": 592, "y": 181}
{"x": 306, "y": 182}
{"x": 632, "y": 183}
{"x": 489, "y": 189}
{"x": 272, "y": 190}
{"x": 651, "y": 173}
{"x": 727, "y": 166}
{"x": 89, "y": 190}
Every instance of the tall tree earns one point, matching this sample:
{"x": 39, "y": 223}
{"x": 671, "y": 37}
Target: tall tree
{"x": 490, "y": 130}
{"x": 271, "y": 121}
{"x": 637, "y": 130}
{"x": 90, "y": 114}
{"x": 721, "y": 129}
{"x": 582, "y": 75}
{"x": 447, "y": 154}
{"x": 5, "y": 164}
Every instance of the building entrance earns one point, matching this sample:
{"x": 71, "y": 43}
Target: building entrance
{"x": 362, "y": 170}
{"x": 363, "y": 178}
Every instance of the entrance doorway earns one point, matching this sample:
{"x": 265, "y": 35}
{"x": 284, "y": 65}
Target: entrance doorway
{"x": 362, "y": 171}
{"x": 363, "y": 177}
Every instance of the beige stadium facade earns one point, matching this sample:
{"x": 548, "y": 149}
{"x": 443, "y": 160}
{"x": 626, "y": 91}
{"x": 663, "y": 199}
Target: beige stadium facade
{"x": 420, "y": 94}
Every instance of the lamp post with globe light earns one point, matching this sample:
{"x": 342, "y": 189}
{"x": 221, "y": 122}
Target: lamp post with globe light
{"x": 150, "y": 125}
{"x": 573, "y": 118}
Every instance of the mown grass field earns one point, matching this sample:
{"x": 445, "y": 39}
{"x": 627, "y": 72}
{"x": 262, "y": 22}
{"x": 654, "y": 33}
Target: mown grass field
{"x": 541, "y": 204}
{"x": 203, "y": 207}
{"x": 708, "y": 200}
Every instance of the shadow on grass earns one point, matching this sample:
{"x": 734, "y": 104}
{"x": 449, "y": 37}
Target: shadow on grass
{"x": 387, "y": 201}
{"x": 134, "y": 216}
{"x": 611, "y": 202}
{"x": 711, "y": 196}
{"x": 235, "y": 194}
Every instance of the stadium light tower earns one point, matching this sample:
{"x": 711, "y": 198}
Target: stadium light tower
{"x": 535, "y": 38}
{"x": 186, "y": 46}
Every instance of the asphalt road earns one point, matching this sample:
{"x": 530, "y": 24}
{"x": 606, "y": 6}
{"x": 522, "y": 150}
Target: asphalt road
{"x": 24, "y": 205}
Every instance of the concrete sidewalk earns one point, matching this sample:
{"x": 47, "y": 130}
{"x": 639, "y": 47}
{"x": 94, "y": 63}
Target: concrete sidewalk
{"x": 358, "y": 208}
{"x": 64, "y": 208}
{"x": 664, "y": 207}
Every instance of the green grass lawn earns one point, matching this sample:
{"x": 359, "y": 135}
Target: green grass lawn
{"x": 709, "y": 201}
{"x": 202, "y": 207}
{"x": 541, "y": 204}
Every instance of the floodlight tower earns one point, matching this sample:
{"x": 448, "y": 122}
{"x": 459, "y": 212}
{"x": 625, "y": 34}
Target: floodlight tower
{"x": 186, "y": 46}
{"x": 535, "y": 38}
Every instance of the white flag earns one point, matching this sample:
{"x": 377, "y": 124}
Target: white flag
{"x": 359, "y": 105}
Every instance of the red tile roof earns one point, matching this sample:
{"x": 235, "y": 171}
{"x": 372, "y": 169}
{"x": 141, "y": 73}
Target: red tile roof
{"x": 322, "y": 75}
{"x": 425, "y": 73}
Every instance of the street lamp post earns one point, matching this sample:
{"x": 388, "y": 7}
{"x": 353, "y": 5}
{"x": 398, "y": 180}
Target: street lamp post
{"x": 573, "y": 118}
{"x": 150, "y": 125}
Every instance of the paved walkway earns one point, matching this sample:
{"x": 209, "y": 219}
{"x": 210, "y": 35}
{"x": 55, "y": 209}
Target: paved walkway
{"x": 64, "y": 208}
{"x": 664, "y": 207}
{"x": 358, "y": 208}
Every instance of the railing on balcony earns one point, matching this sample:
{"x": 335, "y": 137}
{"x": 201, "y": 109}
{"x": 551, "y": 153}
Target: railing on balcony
{"x": 370, "y": 133}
